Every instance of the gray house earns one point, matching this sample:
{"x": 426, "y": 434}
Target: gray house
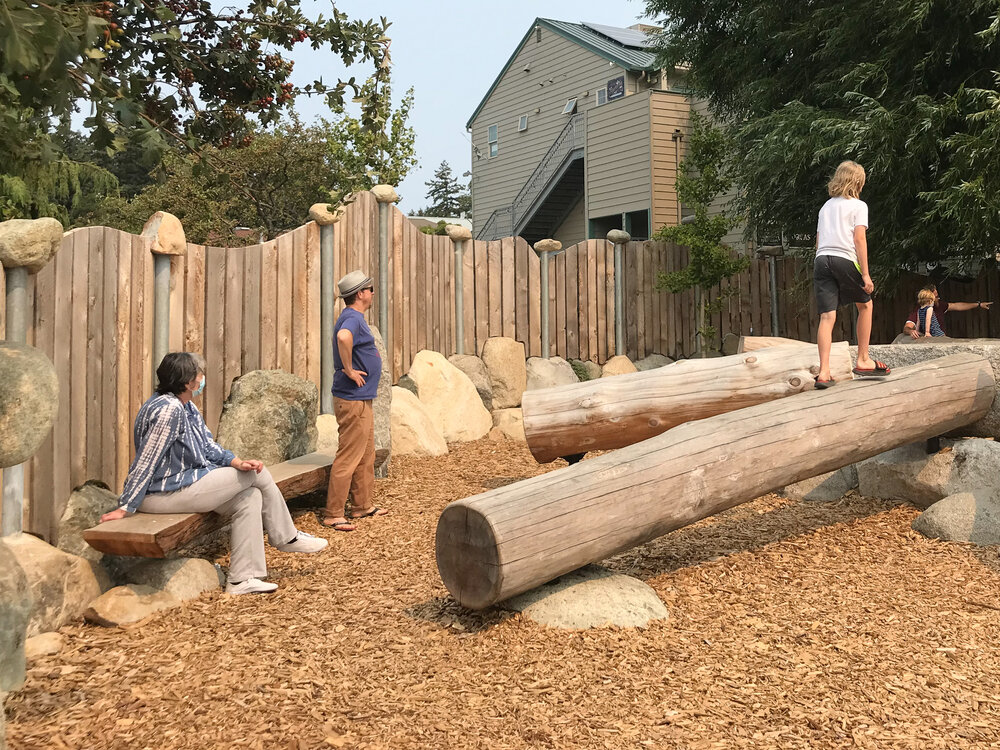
{"x": 580, "y": 133}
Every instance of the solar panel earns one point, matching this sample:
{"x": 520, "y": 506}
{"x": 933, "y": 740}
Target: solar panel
{"x": 627, "y": 37}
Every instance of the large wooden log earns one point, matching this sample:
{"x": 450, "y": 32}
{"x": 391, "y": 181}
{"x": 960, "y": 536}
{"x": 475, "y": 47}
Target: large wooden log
{"x": 500, "y": 543}
{"x": 614, "y": 412}
{"x": 756, "y": 343}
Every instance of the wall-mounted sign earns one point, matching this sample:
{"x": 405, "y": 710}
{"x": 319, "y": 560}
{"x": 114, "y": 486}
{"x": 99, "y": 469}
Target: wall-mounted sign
{"x": 616, "y": 88}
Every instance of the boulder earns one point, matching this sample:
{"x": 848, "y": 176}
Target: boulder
{"x": 619, "y": 237}
{"x": 183, "y": 577}
{"x": 964, "y": 517}
{"x": 652, "y": 361}
{"x": 908, "y": 473}
{"x": 328, "y": 434}
{"x": 322, "y": 214}
{"x": 86, "y": 505}
{"x": 476, "y": 370}
{"x": 29, "y": 392}
{"x": 44, "y": 644}
{"x": 125, "y": 604}
{"x": 508, "y": 423}
{"x": 921, "y": 350}
{"x": 591, "y": 597}
{"x": 382, "y": 408}
{"x": 166, "y": 234}
{"x": 548, "y": 373}
{"x": 270, "y": 415}
{"x": 385, "y": 194}
{"x": 585, "y": 369}
{"x": 457, "y": 233}
{"x": 413, "y": 431}
{"x": 15, "y": 609}
{"x": 62, "y": 585}
{"x": 450, "y": 398}
{"x": 504, "y": 360}
{"x": 547, "y": 246}
{"x": 29, "y": 243}
{"x": 405, "y": 381}
{"x": 617, "y": 365}
{"x": 826, "y": 487}
{"x": 730, "y": 344}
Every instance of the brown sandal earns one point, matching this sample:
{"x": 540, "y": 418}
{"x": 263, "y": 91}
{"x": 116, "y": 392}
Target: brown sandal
{"x": 339, "y": 525}
{"x": 374, "y": 512}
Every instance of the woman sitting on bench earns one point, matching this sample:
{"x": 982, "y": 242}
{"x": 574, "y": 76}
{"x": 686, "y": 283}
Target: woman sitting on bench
{"x": 179, "y": 468}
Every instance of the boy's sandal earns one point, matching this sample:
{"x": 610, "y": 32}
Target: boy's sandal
{"x": 824, "y": 384}
{"x": 881, "y": 368}
{"x": 339, "y": 525}
{"x": 375, "y": 511}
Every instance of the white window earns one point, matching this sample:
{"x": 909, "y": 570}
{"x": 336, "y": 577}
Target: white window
{"x": 493, "y": 137}
{"x": 570, "y": 107}
{"x": 522, "y": 124}
{"x": 602, "y": 96}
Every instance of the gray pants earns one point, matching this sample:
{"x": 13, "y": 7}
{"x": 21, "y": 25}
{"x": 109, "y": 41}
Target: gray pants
{"x": 252, "y": 502}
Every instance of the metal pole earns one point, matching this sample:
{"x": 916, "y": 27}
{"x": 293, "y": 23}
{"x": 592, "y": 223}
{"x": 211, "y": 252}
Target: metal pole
{"x": 543, "y": 258}
{"x": 772, "y": 263}
{"x": 619, "y": 299}
{"x": 327, "y": 275}
{"x": 459, "y": 302}
{"x": 383, "y": 273}
{"x": 161, "y": 308}
{"x": 17, "y": 333}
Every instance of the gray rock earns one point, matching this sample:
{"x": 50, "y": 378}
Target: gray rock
{"x": 86, "y": 505}
{"x": 548, "y": 373}
{"x": 585, "y": 369}
{"x": 908, "y": 473}
{"x": 652, "y": 361}
{"x": 826, "y": 487}
{"x": 591, "y": 597}
{"x": 619, "y": 236}
{"x": 965, "y": 517}
{"x": 29, "y": 243}
{"x": 923, "y": 349}
{"x": 409, "y": 384}
{"x": 475, "y": 368}
{"x": 504, "y": 360}
{"x": 730, "y": 344}
{"x": 125, "y": 604}
{"x": 15, "y": 609}
{"x": 183, "y": 578}
{"x": 62, "y": 585}
{"x": 270, "y": 415}
{"x": 44, "y": 644}
{"x": 382, "y": 408}
{"x": 29, "y": 392}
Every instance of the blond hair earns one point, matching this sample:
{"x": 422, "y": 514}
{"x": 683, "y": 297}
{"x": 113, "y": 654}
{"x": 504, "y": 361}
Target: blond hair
{"x": 925, "y": 297}
{"x": 847, "y": 180}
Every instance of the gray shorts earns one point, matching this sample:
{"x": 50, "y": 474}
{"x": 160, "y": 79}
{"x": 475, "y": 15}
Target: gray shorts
{"x": 837, "y": 282}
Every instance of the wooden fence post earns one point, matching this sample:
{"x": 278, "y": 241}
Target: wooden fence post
{"x": 322, "y": 215}
{"x": 459, "y": 235}
{"x": 385, "y": 195}
{"x": 543, "y": 248}
{"x": 26, "y": 246}
{"x": 166, "y": 236}
{"x": 619, "y": 238}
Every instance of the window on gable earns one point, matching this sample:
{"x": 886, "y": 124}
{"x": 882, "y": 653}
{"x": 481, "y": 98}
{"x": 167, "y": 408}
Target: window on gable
{"x": 570, "y": 107}
{"x": 522, "y": 124}
{"x": 493, "y": 138}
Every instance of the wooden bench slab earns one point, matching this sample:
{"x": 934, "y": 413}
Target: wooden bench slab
{"x": 155, "y": 534}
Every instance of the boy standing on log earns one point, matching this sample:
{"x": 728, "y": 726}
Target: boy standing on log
{"x": 840, "y": 272}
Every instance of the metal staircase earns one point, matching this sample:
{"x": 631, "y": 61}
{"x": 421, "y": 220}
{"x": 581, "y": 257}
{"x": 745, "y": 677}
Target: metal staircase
{"x": 556, "y": 176}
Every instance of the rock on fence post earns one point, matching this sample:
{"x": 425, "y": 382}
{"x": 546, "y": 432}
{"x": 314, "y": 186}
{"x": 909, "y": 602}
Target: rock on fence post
{"x": 459, "y": 235}
{"x": 385, "y": 195}
{"x": 166, "y": 238}
{"x": 26, "y": 245}
{"x": 322, "y": 214}
{"x": 543, "y": 248}
{"x": 619, "y": 238}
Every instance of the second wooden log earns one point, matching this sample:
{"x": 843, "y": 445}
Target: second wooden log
{"x": 614, "y": 412}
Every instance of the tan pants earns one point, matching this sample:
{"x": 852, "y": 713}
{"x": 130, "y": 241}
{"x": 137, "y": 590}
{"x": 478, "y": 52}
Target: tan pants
{"x": 353, "y": 469}
{"x": 252, "y": 502}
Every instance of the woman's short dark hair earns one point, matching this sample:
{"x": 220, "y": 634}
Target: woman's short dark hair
{"x": 176, "y": 370}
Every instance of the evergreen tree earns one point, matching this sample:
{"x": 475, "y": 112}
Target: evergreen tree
{"x": 444, "y": 193}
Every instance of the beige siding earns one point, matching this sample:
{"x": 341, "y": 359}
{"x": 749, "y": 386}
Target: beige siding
{"x": 558, "y": 69}
{"x": 617, "y": 168}
{"x": 668, "y": 112}
{"x": 574, "y": 226}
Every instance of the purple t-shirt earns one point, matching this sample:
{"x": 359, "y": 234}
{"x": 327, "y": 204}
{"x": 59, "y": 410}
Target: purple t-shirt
{"x": 364, "y": 357}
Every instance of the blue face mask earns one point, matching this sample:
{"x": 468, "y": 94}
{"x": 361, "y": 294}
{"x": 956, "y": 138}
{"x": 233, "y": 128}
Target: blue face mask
{"x": 201, "y": 386}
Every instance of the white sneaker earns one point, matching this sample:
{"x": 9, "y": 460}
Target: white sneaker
{"x": 251, "y": 586}
{"x": 303, "y": 542}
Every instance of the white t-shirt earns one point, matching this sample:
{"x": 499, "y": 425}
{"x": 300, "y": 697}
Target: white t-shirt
{"x": 835, "y": 228}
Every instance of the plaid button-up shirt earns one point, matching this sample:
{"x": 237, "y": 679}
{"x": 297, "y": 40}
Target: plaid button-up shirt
{"x": 173, "y": 448}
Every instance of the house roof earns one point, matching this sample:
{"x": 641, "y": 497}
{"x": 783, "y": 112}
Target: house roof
{"x": 624, "y": 47}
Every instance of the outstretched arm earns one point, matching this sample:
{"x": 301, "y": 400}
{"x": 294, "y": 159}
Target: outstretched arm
{"x": 963, "y": 306}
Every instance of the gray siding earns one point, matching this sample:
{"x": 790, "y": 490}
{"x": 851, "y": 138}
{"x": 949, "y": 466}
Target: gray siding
{"x": 574, "y": 226}
{"x": 617, "y": 168}
{"x": 558, "y": 69}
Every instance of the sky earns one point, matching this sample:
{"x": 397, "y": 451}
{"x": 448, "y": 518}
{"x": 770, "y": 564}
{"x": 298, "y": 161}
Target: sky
{"x": 449, "y": 51}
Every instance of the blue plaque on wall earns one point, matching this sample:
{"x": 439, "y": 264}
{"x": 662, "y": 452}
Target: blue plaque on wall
{"x": 616, "y": 88}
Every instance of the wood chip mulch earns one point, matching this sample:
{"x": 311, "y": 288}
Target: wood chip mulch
{"x": 792, "y": 625}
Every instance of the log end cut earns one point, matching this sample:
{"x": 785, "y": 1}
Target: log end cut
{"x": 467, "y": 556}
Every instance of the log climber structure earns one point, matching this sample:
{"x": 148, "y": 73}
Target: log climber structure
{"x": 500, "y": 543}
{"x": 610, "y": 413}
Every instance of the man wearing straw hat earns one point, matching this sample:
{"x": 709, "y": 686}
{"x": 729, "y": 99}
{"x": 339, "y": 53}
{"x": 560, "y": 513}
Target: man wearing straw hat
{"x": 357, "y": 367}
